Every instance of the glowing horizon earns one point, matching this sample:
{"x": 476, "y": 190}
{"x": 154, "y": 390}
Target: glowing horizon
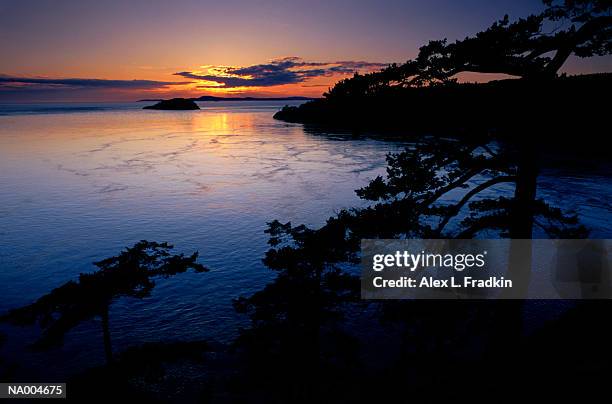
{"x": 288, "y": 76}
{"x": 124, "y": 51}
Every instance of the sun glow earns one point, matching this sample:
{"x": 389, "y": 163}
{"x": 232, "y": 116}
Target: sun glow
{"x": 224, "y": 90}
{"x": 220, "y": 71}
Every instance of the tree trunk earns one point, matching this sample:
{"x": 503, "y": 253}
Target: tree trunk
{"x": 522, "y": 220}
{"x": 524, "y": 194}
{"x": 108, "y": 349}
{"x": 509, "y": 314}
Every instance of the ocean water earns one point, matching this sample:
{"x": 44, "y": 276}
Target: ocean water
{"x": 79, "y": 182}
{"x": 78, "y": 185}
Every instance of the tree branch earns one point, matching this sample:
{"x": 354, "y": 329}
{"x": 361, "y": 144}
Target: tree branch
{"x": 583, "y": 34}
{"x": 428, "y": 200}
{"x": 483, "y": 223}
{"x": 476, "y": 190}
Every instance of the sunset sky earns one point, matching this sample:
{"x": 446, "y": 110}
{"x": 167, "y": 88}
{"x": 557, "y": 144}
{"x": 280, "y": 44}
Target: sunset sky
{"x": 126, "y": 50}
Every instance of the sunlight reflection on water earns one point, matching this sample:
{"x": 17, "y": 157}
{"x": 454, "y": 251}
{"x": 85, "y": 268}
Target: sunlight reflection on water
{"x": 75, "y": 188}
{"x": 79, "y": 187}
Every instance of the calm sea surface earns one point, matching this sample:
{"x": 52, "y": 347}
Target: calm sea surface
{"x": 79, "y": 182}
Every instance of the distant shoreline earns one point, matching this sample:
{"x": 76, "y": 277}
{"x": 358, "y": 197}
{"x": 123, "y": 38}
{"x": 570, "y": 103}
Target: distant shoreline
{"x": 213, "y": 98}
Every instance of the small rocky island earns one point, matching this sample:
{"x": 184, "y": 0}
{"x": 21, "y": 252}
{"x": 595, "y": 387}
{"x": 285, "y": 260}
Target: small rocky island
{"x": 174, "y": 104}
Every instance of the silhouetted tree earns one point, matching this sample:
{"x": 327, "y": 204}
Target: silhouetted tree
{"x": 295, "y": 317}
{"x": 131, "y": 273}
{"x": 521, "y": 48}
{"x": 435, "y": 168}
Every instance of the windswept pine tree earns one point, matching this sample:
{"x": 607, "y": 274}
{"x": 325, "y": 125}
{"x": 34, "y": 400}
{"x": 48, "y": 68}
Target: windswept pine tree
{"x": 535, "y": 47}
{"x": 424, "y": 94}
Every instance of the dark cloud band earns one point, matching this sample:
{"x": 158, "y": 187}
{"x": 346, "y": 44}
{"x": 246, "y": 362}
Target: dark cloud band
{"x": 288, "y": 70}
{"x": 35, "y": 83}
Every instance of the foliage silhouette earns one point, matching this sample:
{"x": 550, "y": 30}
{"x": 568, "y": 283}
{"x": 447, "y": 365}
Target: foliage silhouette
{"x": 300, "y": 321}
{"x": 131, "y": 273}
{"x": 520, "y": 48}
{"x": 423, "y": 95}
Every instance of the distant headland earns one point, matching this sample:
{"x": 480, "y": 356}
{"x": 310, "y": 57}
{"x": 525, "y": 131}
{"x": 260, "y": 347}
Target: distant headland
{"x": 213, "y": 98}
